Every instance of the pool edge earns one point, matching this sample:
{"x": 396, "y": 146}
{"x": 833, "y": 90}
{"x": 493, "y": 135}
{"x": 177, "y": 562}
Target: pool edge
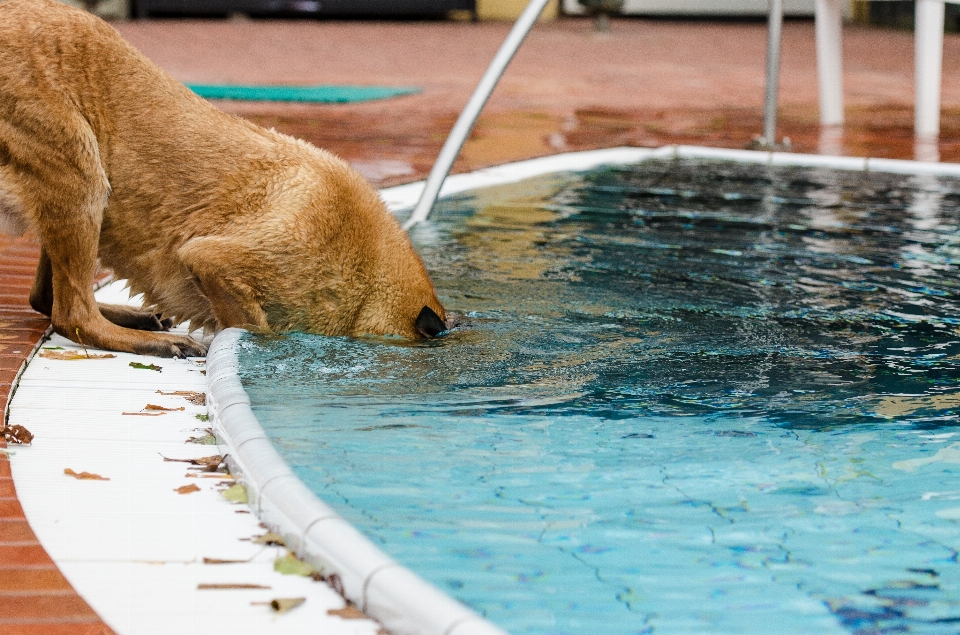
{"x": 402, "y": 601}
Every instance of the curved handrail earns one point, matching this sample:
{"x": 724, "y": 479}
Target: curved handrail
{"x": 467, "y": 119}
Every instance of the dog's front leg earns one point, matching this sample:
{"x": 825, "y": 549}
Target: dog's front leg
{"x": 70, "y": 246}
{"x": 76, "y": 316}
{"x": 41, "y": 299}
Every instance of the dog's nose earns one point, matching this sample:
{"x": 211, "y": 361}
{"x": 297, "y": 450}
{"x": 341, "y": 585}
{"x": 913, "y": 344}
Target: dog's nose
{"x": 428, "y": 323}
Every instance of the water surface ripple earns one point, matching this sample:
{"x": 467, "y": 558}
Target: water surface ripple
{"x": 685, "y": 397}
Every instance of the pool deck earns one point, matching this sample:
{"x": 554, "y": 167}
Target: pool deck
{"x": 647, "y": 83}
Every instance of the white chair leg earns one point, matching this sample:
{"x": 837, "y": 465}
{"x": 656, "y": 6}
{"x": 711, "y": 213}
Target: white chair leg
{"x": 928, "y": 42}
{"x": 829, "y": 21}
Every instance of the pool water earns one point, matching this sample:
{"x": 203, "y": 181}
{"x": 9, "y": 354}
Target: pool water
{"x": 685, "y": 397}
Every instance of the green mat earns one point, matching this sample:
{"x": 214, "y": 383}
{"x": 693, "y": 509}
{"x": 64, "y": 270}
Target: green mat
{"x": 316, "y": 94}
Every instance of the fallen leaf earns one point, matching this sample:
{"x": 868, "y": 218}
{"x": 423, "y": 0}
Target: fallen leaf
{"x": 140, "y": 366}
{"x": 72, "y": 355}
{"x": 17, "y": 434}
{"x": 203, "y": 586}
{"x": 196, "y": 398}
{"x": 222, "y": 561}
{"x": 282, "y": 605}
{"x": 349, "y": 612}
{"x": 151, "y": 406}
{"x": 53, "y": 348}
{"x": 292, "y": 565}
{"x": 337, "y": 585}
{"x": 202, "y": 417}
{"x": 84, "y": 476}
{"x": 187, "y": 489}
{"x": 207, "y": 439}
{"x": 236, "y": 493}
{"x": 143, "y": 414}
{"x": 270, "y": 539}
{"x": 204, "y": 461}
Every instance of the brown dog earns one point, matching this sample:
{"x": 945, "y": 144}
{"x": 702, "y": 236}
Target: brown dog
{"x": 212, "y": 218}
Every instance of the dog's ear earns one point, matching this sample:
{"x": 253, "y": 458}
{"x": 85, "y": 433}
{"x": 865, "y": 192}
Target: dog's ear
{"x": 429, "y": 324}
{"x": 224, "y": 271}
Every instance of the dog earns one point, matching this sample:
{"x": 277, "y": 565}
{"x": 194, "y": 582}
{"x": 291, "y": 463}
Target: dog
{"x": 212, "y": 218}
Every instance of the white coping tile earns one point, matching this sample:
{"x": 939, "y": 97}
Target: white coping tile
{"x": 164, "y": 600}
{"x": 818, "y": 160}
{"x": 403, "y": 197}
{"x": 133, "y": 547}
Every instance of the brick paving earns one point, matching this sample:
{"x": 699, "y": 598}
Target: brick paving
{"x": 648, "y": 83}
{"x": 35, "y": 598}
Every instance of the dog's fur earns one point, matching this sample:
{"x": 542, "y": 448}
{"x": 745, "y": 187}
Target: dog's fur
{"x": 212, "y": 218}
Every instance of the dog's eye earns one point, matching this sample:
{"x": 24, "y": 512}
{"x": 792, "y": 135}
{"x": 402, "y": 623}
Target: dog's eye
{"x": 429, "y": 324}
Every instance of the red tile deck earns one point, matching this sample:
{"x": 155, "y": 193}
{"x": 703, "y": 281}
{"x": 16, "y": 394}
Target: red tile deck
{"x": 648, "y": 82}
{"x": 35, "y": 597}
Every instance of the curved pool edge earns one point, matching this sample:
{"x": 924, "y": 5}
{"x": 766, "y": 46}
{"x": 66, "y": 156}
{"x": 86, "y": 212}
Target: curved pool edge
{"x": 400, "y": 600}
{"x": 384, "y": 589}
{"x": 405, "y": 196}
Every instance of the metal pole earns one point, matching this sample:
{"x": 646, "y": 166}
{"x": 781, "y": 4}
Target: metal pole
{"x": 774, "y": 28}
{"x": 461, "y": 129}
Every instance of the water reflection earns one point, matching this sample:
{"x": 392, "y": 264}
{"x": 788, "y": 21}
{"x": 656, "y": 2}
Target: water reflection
{"x": 808, "y": 296}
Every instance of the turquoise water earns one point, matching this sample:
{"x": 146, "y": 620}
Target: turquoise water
{"x": 685, "y": 397}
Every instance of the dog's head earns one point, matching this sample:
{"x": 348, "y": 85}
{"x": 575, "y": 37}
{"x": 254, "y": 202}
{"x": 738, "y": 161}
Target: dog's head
{"x": 333, "y": 262}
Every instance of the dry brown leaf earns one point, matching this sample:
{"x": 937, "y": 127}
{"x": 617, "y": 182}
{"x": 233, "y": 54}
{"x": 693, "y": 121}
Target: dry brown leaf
{"x": 222, "y": 561}
{"x": 72, "y": 355}
{"x": 349, "y": 612}
{"x": 84, "y": 476}
{"x": 196, "y": 398}
{"x": 16, "y": 434}
{"x": 270, "y": 539}
{"x": 231, "y": 586}
{"x": 282, "y": 605}
{"x": 187, "y": 489}
{"x": 205, "y": 461}
{"x": 151, "y": 406}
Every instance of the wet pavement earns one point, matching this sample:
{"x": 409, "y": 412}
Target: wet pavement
{"x": 646, "y": 83}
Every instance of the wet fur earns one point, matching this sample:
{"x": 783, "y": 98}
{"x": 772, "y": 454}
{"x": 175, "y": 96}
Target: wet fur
{"x": 212, "y": 218}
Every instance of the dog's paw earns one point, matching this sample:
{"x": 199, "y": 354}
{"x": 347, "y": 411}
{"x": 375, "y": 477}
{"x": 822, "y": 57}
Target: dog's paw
{"x": 181, "y": 347}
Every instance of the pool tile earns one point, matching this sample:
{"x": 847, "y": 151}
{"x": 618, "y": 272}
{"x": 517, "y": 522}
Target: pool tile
{"x": 58, "y": 606}
{"x": 16, "y": 533}
{"x": 48, "y": 628}
{"x": 33, "y": 579}
{"x": 24, "y": 556}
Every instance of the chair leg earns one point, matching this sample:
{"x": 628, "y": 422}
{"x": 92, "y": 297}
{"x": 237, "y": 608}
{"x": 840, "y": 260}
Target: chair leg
{"x": 928, "y": 42}
{"x": 774, "y": 30}
{"x": 830, "y": 61}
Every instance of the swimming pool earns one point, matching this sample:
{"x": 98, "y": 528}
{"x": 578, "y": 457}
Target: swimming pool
{"x": 686, "y": 396}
